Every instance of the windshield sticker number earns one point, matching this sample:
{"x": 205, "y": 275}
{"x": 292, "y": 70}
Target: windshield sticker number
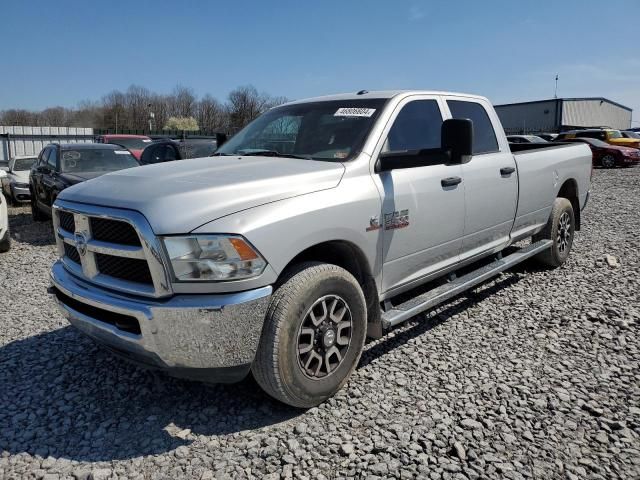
{"x": 71, "y": 155}
{"x": 121, "y": 152}
{"x": 354, "y": 112}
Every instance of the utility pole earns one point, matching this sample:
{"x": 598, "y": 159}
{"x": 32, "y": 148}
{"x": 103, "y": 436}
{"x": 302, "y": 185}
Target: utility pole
{"x": 555, "y": 94}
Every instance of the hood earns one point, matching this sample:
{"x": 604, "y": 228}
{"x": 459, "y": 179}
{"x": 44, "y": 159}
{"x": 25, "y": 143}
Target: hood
{"x": 78, "y": 177}
{"x": 177, "y": 197}
{"x": 21, "y": 176}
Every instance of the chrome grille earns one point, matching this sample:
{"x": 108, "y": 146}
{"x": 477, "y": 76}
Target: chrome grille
{"x": 67, "y": 222}
{"x": 111, "y": 247}
{"x": 130, "y": 269}
{"x": 113, "y": 231}
{"x": 72, "y": 253}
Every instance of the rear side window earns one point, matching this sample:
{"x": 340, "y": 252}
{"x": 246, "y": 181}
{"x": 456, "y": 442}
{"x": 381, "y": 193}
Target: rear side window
{"x": 484, "y": 137}
{"x": 416, "y": 127}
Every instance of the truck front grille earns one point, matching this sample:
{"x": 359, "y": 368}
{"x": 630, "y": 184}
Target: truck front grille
{"x": 72, "y": 253}
{"x": 112, "y": 248}
{"x": 114, "y": 231}
{"x": 67, "y": 222}
{"x": 130, "y": 269}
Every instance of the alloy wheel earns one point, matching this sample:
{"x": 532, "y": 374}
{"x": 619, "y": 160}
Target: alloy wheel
{"x": 564, "y": 232}
{"x": 324, "y": 336}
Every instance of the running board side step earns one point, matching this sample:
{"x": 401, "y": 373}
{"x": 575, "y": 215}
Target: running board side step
{"x": 438, "y": 295}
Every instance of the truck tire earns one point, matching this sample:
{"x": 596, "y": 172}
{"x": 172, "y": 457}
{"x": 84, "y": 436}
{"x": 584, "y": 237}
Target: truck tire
{"x": 36, "y": 214}
{"x": 313, "y": 335}
{"x": 560, "y": 228}
{"x": 5, "y": 242}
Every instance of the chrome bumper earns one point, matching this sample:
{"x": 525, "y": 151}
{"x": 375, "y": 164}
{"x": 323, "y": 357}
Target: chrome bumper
{"x": 21, "y": 194}
{"x": 205, "y": 337}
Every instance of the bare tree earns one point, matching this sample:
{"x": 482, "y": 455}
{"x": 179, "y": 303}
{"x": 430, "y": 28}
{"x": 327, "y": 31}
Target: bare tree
{"x": 211, "y": 114}
{"x": 183, "y": 102}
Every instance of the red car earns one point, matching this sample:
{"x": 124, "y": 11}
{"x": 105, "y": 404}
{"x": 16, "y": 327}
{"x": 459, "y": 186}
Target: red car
{"x": 607, "y": 155}
{"x": 134, "y": 143}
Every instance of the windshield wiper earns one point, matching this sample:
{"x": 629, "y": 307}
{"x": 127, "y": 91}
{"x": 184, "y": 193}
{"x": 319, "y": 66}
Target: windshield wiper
{"x": 274, "y": 153}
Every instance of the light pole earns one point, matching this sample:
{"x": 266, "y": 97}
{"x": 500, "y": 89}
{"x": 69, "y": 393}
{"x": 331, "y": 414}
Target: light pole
{"x": 555, "y": 93}
{"x": 152, "y": 117}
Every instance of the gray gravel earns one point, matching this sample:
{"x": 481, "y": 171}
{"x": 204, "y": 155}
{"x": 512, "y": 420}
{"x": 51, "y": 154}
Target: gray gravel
{"x": 534, "y": 375}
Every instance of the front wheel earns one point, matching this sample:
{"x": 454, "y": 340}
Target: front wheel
{"x": 36, "y": 214}
{"x": 560, "y": 229}
{"x": 313, "y": 335}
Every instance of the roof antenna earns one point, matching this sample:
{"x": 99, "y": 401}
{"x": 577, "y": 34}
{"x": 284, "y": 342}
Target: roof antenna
{"x": 362, "y": 92}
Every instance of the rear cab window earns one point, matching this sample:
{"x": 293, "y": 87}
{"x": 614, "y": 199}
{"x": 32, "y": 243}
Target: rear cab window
{"x": 484, "y": 135}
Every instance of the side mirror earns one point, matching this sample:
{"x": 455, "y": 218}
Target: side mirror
{"x": 221, "y": 138}
{"x": 457, "y": 138}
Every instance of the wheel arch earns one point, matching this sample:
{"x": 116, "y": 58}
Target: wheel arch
{"x": 569, "y": 190}
{"x": 349, "y": 256}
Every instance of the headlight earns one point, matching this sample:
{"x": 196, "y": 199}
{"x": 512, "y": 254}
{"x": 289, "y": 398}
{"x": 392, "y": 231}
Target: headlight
{"x": 212, "y": 258}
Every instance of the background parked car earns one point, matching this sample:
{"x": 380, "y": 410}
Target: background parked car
{"x": 134, "y": 143}
{"x": 15, "y": 184}
{"x": 197, "y": 147}
{"x": 609, "y": 156}
{"x": 628, "y": 134}
{"x": 525, "y": 139}
{"x": 549, "y": 137}
{"x": 612, "y": 137}
{"x": 5, "y": 238}
{"x": 60, "y": 166}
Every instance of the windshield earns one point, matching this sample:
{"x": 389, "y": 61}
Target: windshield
{"x": 23, "y": 163}
{"x": 130, "y": 143}
{"x": 330, "y": 130}
{"x": 631, "y": 135}
{"x": 96, "y": 160}
{"x": 615, "y": 134}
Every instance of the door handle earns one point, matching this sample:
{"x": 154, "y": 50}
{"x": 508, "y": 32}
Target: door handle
{"x": 450, "y": 181}
{"x": 507, "y": 170}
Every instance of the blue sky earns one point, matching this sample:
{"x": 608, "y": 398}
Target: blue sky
{"x": 62, "y": 52}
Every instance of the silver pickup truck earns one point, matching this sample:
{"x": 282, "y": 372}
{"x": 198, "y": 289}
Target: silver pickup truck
{"x": 322, "y": 222}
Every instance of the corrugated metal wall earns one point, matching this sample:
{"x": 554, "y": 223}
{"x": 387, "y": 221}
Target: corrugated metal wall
{"x": 30, "y": 140}
{"x": 528, "y": 117}
{"x": 595, "y": 113}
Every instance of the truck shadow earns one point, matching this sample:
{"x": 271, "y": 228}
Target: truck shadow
{"x": 22, "y": 228}
{"x": 62, "y": 396}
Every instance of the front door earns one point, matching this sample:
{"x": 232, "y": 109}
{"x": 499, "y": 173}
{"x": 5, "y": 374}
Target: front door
{"x": 422, "y": 220}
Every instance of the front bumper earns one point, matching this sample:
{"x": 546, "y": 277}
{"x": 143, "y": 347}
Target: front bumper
{"x": 21, "y": 194}
{"x": 207, "y": 337}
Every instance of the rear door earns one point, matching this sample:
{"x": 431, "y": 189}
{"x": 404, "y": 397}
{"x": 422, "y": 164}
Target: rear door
{"x": 490, "y": 179}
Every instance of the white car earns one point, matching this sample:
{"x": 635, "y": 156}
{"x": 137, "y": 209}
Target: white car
{"x": 15, "y": 185}
{"x": 5, "y": 239}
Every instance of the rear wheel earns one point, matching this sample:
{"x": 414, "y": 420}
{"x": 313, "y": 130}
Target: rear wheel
{"x": 560, "y": 230}
{"x": 313, "y": 335}
{"x": 608, "y": 161}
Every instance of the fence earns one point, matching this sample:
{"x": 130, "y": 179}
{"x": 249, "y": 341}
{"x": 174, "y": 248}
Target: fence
{"x": 16, "y": 141}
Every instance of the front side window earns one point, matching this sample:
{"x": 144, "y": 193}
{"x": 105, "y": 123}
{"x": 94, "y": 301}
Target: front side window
{"x": 52, "y": 161}
{"x": 329, "y": 130}
{"x": 614, "y": 134}
{"x": 484, "y": 137}
{"x": 417, "y": 127}
{"x": 44, "y": 156}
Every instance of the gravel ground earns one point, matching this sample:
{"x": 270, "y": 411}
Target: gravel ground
{"x": 533, "y": 375}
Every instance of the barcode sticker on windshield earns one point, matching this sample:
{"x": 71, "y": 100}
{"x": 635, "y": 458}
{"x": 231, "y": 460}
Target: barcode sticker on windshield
{"x": 354, "y": 112}
{"x": 122, "y": 152}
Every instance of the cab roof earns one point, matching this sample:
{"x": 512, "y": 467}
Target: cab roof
{"x": 386, "y": 94}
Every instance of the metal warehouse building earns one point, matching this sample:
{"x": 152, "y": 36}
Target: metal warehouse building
{"x": 558, "y": 114}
